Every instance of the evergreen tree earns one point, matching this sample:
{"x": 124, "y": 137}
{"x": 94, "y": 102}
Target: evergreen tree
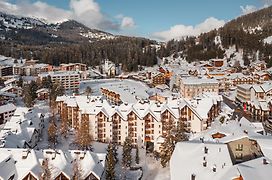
{"x": 57, "y": 90}
{"x": 167, "y": 149}
{"x": 180, "y": 132}
{"x": 64, "y": 128}
{"x": 83, "y": 137}
{"x": 137, "y": 158}
{"x": 127, "y": 148}
{"x": 110, "y": 163}
{"x": 20, "y": 82}
{"x": 27, "y": 98}
{"x": 33, "y": 89}
{"x": 52, "y": 131}
{"x": 115, "y": 152}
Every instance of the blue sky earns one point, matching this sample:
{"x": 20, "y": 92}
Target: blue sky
{"x": 157, "y": 19}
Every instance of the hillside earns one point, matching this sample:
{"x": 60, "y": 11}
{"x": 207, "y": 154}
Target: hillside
{"x": 249, "y": 34}
{"x": 71, "y": 41}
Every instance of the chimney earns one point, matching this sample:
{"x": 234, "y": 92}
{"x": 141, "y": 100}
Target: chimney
{"x": 214, "y": 168}
{"x": 206, "y": 150}
{"x": 193, "y": 177}
{"x": 25, "y": 154}
{"x": 204, "y": 163}
{"x": 265, "y": 161}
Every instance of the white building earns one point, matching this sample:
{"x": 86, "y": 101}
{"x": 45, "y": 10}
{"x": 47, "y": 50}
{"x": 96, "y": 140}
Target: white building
{"x": 20, "y": 164}
{"x": 143, "y": 121}
{"x": 6, "y": 111}
{"x": 23, "y": 129}
{"x": 191, "y": 87}
{"x": 69, "y": 79}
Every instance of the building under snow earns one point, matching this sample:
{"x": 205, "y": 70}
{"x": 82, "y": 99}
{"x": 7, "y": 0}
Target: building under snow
{"x": 143, "y": 121}
{"x": 20, "y": 164}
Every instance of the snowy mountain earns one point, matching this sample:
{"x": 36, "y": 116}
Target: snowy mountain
{"x": 32, "y": 30}
{"x": 9, "y": 22}
{"x": 246, "y": 39}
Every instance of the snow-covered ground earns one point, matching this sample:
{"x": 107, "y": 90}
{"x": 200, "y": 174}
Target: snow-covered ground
{"x": 236, "y": 56}
{"x": 129, "y": 90}
{"x": 268, "y": 40}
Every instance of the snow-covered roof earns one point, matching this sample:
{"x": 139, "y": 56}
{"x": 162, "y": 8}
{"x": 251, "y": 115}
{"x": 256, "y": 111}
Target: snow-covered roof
{"x": 197, "y": 81}
{"x": 188, "y": 159}
{"x": 7, "y": 107}
{"x": 59, "y": 73}
{"x": 250, "y": 170}
{"x": 21, "y": 128}
{"x": 9, "y": 81}
{"x": 21, "y": 162}
{"x": 95, "y": 104}
{"x": 232, "y": 129}
{"x": 42, "y": 90}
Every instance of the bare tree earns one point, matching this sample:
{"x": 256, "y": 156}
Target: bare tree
{"x": 88, "y": 91}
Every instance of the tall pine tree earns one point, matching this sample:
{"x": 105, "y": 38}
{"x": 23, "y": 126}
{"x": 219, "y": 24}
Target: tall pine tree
{"x": 127, "y": 148}
{"x": 167, "y": 149}
{"x": 110, "y": 163}
{"x": 137, "y": 158}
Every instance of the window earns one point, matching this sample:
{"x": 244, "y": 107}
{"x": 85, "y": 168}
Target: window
{"x": 239, "y": 147}
{"x": 239, "y": 156}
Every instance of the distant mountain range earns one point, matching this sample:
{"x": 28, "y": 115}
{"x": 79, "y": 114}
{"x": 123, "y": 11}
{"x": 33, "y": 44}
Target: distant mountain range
{"x": 28, "y": 30}
{"x": 71, "y": 41}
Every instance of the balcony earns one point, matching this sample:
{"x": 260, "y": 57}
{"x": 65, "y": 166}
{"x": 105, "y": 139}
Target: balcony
{"x": 100, "y": 136}
{"x": 100, "y": 126}
{"x": 131, "y": 123}
{"x": 148, "y": 127}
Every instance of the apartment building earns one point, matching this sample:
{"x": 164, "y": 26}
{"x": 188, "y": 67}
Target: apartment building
{"x": 6, "y": 71}
{"x": 158, "y": 79}
{"x": 111, "y": 96}
{"x": 143, "y": 121}
{"x": 256, "y": 99}
{"x": 69, "y": 79}
{"x": 73, "y": 67}
{"x": 6, "y": 111}
{"x": 244, "y": 92}
{"x": 192, "y": 86}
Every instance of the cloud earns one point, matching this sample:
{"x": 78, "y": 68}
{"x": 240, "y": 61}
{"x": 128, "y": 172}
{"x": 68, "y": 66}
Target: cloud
{"x": 126, "y": 22}
{"x": 37, "y": 9}
{"x": 179, "y": 31}
{"x": 87, "y": 12}
{"x": 248, "y": 9}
